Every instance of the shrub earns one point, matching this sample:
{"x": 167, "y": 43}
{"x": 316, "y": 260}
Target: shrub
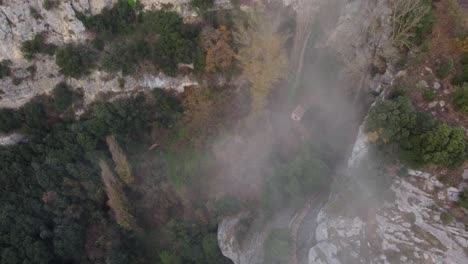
{"x": 211, "y": 250}
{"x": 202, "y": 5}
{"x": 5, "y": 70}
{"x": 295, "y": 179}
{"x": 462, "y": 76}
{"x": 35, "y": 13}
{"x": 120, "y": 19}
{"x": 446, "y": 218}
{"x": 63, "y": 96}
{"x": 75, "y": 60}
{"x": 50, "y": 4}
{"x": 444, "y": 70}
{"x": 37, "y": 45}
{"x": 429, "y": 95}
{"x": 125, "y": 56}
{"x": 463, "y": 201}
{"x": 227, "y": 206}
{"x": 460, "y": 99}
{"x": 170, "y": 258}
{"x": 9, "y": 120}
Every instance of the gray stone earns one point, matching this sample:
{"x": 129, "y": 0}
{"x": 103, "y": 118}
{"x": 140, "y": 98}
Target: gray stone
{"x": 465, "y": 174}
{"x": 433, "y": 104}
{"x": 422, "y": 84}
{"x": 437, "y": 85}
{"x": 442, "y": 103}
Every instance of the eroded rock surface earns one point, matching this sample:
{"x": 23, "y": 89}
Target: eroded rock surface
{"x": 411, "y": 227}
{"x": 21, "y": 20}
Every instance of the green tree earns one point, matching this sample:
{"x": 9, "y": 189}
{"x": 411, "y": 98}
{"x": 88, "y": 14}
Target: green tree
{"x": 75, "y": 60}
{"x": 5, "y": 70}
{"x": 37, "y": 45}
{"x": 10, "y": 120}
{"x": 442, "y": 145}
{"x": 392, "y": 119}
{"x": 202, "y": 5}
{"x": 460, "y": 98}
{"x": 170, "y": 258}
{"x": 63, "y": 96}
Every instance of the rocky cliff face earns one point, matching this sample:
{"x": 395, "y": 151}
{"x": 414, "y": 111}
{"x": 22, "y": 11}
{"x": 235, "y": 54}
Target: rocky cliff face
{"x": 21, "y": 20}
{"x": 411, "y": 225}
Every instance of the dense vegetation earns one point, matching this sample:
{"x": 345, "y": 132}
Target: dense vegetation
{"x": 64, "y": 96}
{"x": 75, "y": 60}
{"x": 462, "y": 74}
{"x": 460, "y": 98}
{"x": 419, "y": 138}
{"x": 293, "y": 180}
{"x": 130, "y": 37}
{"x": 54, "y": 202}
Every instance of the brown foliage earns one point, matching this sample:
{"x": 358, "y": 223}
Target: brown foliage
{"x": 262, "y": 55}
{"x": 219, "y": 55}
{"x": 198, "y": 109}
{"x": 122, "y": 165}
{"x": 117, "y": 200}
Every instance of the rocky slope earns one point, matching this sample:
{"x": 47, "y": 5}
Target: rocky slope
{"x": 21, "y": 20}
{"x": 409, "y": 226}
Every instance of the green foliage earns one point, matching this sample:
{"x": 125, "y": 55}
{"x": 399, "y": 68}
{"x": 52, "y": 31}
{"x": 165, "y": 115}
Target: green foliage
{"x": 63, "y": 96}
{"x": 425, "y": 25}
{"x": 50, "y": 4}
{"x": 125, "y": 56}
{"x": 75, "y": 60}
{"x": 277, "y": 247}
{"x": 211, "y": 250}
{"x": 119, "y": 19}
{"x": 420, "y": 139}
{"x": 429, "y": 95}
{"x": 194, "y": 244}
{"x": 462, "y": 75}
{"x": 131, "y": 37}
{"x": 10, "y": 120}
{"x": 37, "y": 45}
{"x": 170, "y": 258}
{"x": 51, "y": 189}
{"x": 446, "y": 218}
{"x": 460, "y": 98}
{"x": 133, "y": 3}
{"x": 293, "y": 180}
{"x": 5, "y": 70}
{"x": 463, "y": 201}
{"x": 393, "y": 119}
{"x": 442, "y": 145}
{"x": 35, "y": 13}
{"x": 202, "y": 5}
{"x": 227, "y": 206}
{"x": 444, "y": 70}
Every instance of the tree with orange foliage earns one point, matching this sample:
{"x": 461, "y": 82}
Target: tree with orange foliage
{"x": 219, "y": 55}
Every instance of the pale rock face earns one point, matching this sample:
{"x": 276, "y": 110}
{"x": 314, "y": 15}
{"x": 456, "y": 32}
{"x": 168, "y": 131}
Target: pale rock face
{"x": 61, "y": 26}
{"x": 11, "y": 139}
{"x": 405, "y": 229}
{"x": 408, "y": 228}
